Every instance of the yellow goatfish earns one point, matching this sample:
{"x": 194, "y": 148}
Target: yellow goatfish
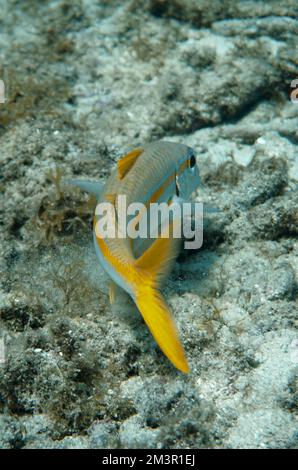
{"x": 158, "y": 172}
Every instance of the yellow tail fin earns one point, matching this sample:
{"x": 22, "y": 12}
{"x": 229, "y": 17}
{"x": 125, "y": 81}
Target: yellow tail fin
{"x": 159, "y": 321}
{"x": 152, "y": 267}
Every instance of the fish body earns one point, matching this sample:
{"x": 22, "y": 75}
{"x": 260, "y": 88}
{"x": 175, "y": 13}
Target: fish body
{"x": 158, "y": 172}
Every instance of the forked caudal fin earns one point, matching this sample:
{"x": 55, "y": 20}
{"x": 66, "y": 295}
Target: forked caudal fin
{"x": 159, "y": 321}
{"x": 153, "y": 265}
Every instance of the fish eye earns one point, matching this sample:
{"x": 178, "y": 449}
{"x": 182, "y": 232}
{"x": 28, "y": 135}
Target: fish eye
{"x": 192, "y": 161}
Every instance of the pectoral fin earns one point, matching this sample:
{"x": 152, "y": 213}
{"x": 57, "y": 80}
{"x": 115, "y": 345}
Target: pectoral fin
{"x": 93, "y": 187}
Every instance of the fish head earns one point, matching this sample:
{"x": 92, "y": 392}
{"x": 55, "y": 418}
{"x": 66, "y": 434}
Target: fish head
{"x": 187, "y": 176}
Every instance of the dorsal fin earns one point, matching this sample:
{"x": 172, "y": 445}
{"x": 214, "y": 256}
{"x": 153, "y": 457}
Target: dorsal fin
{"x": 126, "y": 162}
